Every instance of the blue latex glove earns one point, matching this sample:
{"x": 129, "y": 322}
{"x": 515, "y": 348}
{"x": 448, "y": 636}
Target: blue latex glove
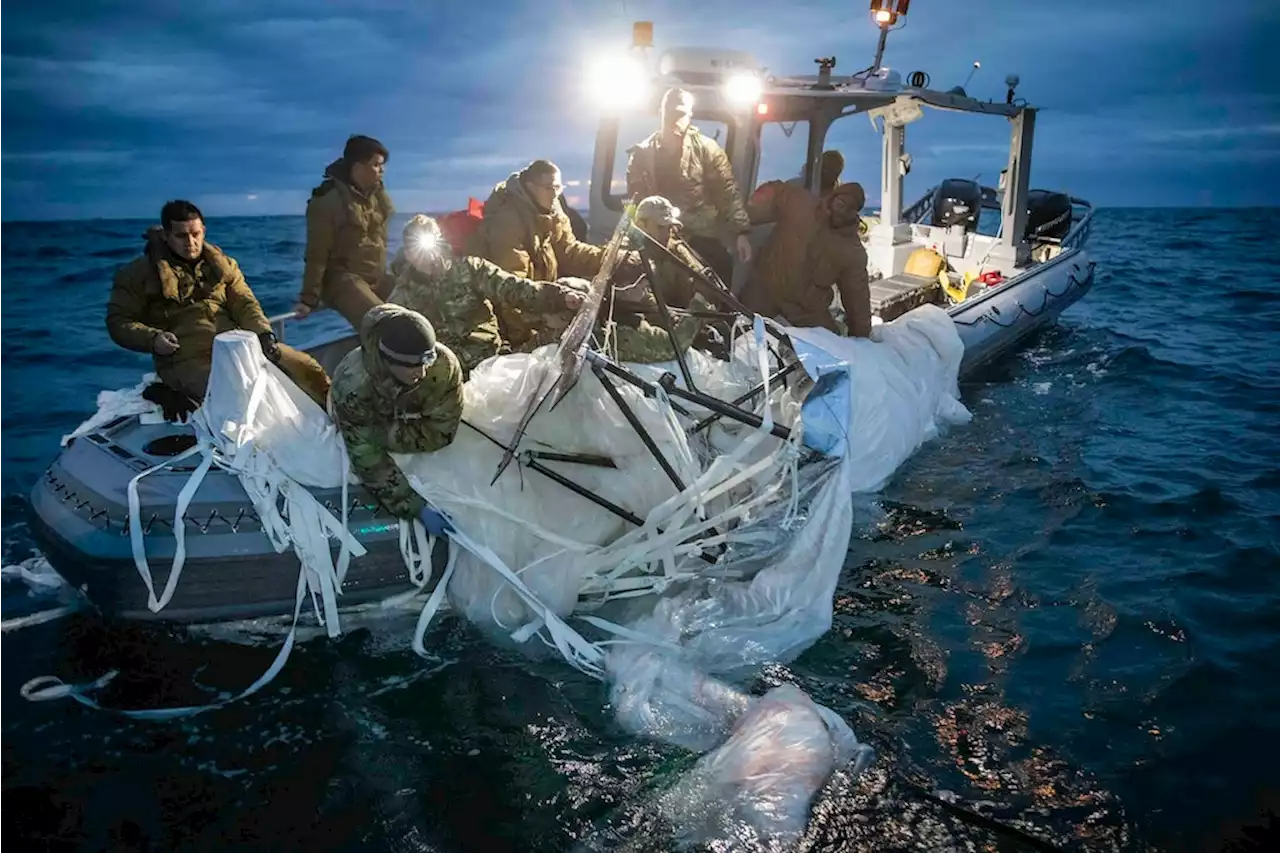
{"x": 436, "y": 522}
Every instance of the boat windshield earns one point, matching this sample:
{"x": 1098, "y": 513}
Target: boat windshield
{"x": 782, "y": 151}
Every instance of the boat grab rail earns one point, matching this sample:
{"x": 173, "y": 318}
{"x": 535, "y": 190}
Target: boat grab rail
{"x": 1074, "y": 238}
{"x": 1079, "y": 232}
{"x": 278, "y": 322}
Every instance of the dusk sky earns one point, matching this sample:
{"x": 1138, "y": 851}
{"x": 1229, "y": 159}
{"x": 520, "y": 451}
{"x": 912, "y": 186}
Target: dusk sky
{"x": 110, "y": 108}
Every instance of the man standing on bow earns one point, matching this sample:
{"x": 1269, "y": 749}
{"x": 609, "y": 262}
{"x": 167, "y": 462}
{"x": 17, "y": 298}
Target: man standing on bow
{"x": 347, "y": 218}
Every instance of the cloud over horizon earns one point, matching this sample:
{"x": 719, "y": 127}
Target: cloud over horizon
{"x": 112, "y": 107}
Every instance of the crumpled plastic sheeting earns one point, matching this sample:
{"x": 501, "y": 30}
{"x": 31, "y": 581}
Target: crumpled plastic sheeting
{"x": 769, "y": 755}
{"x": 903, "y": 390}
{"x": 288, "y": 425}
{"x": 904, "y": 382}
{"x": 537, "y": 527}
{"x": 758, "y": 785}
{"x": 118, "y": 403}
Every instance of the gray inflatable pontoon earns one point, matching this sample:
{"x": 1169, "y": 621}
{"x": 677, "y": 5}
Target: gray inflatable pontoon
{"x": 80, "y": 517}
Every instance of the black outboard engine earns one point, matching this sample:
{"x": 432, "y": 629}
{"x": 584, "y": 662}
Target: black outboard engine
{"x": 1048, "y": 215}
{"x": 957, "y": 201}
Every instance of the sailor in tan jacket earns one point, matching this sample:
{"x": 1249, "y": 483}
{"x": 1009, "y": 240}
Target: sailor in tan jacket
{"x": 181, "y": 293}
{"x": 347, "y": 218}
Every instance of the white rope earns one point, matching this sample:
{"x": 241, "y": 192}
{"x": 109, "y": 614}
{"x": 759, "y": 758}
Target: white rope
{"x": 46, "y": 688}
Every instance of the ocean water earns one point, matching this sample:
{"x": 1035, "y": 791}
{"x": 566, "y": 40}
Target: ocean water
{"x": 1067, "y": 615}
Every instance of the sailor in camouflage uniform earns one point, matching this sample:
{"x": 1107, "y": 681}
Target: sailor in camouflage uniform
{"x": 462, "y": 297}
{"x": 638, "y": 340}
{"x": 400, "y": 391}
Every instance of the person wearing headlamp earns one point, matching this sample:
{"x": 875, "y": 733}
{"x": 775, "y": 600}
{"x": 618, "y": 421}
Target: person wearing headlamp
{"x": 400, "y": 391}
{"x": 463, "y": 297}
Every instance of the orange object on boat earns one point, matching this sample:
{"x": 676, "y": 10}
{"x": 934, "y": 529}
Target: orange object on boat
{"x": 461, "y": 224}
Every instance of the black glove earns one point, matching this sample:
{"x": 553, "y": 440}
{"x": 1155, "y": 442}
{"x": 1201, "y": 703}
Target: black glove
{"x": 270, "y": 346}
{"x": 176, "y": 405}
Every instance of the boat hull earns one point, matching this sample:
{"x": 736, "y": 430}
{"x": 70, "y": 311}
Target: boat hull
{"x": 79, "y": 515}
{"x": 999, "y": 320}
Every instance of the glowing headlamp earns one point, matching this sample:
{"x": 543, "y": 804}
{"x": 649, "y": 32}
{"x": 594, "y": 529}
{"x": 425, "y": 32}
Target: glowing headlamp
{"x": 425, "y": 241}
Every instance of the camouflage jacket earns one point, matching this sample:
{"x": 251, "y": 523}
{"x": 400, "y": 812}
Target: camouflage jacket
{"x": 673, "y": 281}
{"x": 462, "y": 304}
{"x": 158, "y": 292}
{"x": 645, "y": 342}
{"x": 378, "y": 416}
{"x": 346, "y": 233}
{"x": 705, "y": 190}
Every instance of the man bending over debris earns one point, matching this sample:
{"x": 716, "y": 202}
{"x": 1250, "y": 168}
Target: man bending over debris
{"x": 638, "y": 340}
{"x": 181, "y": 293}
{"x": 462, "y": 297}
{"x": 398, "y": 392}
{"x": 814, "y": 247}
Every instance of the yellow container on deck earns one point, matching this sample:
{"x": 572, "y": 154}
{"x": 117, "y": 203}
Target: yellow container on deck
{"x": 925, "y": 263}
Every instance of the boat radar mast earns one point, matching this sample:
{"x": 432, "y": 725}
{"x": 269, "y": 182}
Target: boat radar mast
{"x": 886, "y": 13}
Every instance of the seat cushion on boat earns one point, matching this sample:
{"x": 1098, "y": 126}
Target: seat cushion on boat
{"x": 894, "y": 296}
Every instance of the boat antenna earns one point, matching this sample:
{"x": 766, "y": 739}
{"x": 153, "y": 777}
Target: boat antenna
{"x": 960, "y": 90}
{"x": 886, "y": 13}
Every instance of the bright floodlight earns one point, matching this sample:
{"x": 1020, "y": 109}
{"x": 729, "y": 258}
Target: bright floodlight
{"x": 617, "y": 82}
{"x": 883, "y": 17}
{"x": 743, "y": 90}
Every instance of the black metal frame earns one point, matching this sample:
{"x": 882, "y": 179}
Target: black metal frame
{"x": 531, "y": 459}
{"x": 608, "y": 372}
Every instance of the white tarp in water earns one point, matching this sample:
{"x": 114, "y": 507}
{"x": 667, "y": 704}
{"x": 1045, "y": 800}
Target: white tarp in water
{"x": 787, "y": 531}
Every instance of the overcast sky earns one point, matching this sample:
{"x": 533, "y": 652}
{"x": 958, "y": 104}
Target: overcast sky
{"x": 109, "y": 108}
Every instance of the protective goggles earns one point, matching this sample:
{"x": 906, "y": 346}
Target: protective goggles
{"x": 425, "y": 359}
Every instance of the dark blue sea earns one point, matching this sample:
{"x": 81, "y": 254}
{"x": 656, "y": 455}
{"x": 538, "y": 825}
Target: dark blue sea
{"x": 1069, "y": 618}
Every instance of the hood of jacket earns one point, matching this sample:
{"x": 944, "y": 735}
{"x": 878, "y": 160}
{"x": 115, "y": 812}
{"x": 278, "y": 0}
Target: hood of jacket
{"x": 511, "y": 193}
{"x": 339, "y": 172}
{"x": 165, "y": 262}
{"x": 856, "y": 197}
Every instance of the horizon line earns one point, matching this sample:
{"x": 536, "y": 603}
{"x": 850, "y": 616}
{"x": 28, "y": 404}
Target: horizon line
{"x": 437, "y": 214}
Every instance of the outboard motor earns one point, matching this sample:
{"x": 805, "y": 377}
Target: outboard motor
{"x": 1048, "y": 215}
{"x": 957, "y": 201}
